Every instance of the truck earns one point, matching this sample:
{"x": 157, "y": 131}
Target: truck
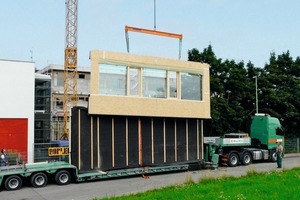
{"x": 232, "y": 149}
{"x": 243, "y": 148}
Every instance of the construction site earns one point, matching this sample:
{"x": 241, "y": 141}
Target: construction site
{"x": 124, "y": 115}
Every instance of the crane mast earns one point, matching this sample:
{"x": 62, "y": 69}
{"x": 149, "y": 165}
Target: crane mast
{"x": 70, "y": 65}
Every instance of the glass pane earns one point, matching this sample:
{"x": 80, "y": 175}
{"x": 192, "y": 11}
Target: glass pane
{"x": 60, "y": 79}
{"x": 134, "y": 81}
{"x": 154, "y": 83}
{"x": 191, "y": 86}
{"x": 112, "y": 79}
{"x": 173, "y": 84}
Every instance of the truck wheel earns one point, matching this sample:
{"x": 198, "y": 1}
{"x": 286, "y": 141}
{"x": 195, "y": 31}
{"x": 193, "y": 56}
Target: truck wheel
{"x": 233, "y": 160}
{"x": 13, "y": 183}
{"x": 246, "y": 158}
{"x": 39, "y": 180}
{"x": 62, "y": 177}
{"x": 273, "y": 156}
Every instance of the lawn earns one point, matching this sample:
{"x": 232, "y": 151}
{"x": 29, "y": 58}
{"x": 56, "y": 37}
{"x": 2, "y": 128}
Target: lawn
{"x": 283, "y": 184}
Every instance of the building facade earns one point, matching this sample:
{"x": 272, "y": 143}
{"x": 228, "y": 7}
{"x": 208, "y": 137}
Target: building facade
{"x": 17, "y": 108}
{"x": 42, "y": 108}
{"x": 56, "y": 72}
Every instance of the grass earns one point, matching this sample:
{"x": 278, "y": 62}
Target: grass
{"x": 272, "y": 185}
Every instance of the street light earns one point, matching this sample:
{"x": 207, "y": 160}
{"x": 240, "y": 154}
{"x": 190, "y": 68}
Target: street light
{"x": 256, "y": 96}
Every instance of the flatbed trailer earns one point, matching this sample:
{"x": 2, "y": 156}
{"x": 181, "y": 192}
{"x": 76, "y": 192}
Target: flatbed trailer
{"x": 38, "y": 174}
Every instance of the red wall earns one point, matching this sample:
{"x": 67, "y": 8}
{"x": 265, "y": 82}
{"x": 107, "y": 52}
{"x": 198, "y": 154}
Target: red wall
{"x": 14, "y": 135}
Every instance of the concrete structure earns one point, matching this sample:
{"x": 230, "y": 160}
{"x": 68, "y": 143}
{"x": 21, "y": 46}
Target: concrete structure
{"x": 56, "y": 72}
{"x": 42, "y": 108}
{"x": 17, "y": 107}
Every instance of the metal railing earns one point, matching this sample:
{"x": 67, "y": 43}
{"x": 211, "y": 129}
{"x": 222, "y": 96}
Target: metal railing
{"x": 292, "y": 145}
{"x": 41, "y": 153}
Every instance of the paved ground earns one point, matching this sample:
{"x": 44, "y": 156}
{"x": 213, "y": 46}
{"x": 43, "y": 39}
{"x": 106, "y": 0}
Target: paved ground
{"x": 117, "y": 187}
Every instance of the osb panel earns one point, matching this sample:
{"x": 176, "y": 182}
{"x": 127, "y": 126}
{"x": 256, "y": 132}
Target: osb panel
{"x": 139, "y": 106}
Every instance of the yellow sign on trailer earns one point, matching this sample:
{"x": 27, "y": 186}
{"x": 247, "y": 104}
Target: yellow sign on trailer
{"x": 58, "y": 151}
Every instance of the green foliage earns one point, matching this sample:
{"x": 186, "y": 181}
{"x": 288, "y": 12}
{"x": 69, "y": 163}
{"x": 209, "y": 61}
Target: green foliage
{"x": 271, "y": 185}
{"x": 233, "y": 91}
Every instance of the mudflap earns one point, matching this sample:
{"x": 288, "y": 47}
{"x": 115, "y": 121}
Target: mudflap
{"x": 223, "y": 160}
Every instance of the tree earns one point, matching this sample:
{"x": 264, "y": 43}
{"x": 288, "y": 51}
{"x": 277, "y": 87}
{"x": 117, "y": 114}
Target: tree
{"x": 281, "y": 96}
{"x": 233, "y": 91}
{"x": 227, "y": 91}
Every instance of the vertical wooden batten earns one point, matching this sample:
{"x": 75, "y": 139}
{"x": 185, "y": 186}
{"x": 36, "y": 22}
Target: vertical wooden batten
{"x": 113, "y": 142}
{"x": 79, "y": 140}
{"x": 175, "y": 138}
{"x": 98, "y": 141}
{"x": 187, "y": 138}
{"x": 198, "y": 148}
{"x": 165, "y": 151}
{"x": 152, "y": 142}
{"x": 92, "y": 143}
{"x": 140, "y": 142}
{"x": 126, "y": 145}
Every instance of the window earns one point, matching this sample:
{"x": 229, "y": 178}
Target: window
{"x": 60, "y": 79}
{"x": 112, "y": 79}
{"x": 117, "y": 79}
{"x": 154, "y": 83}
{"x": 81, "y": 76}
{"x": 134, "y": 81}
{"x": 191, "y": 86}
{"x": 173, "y": 84}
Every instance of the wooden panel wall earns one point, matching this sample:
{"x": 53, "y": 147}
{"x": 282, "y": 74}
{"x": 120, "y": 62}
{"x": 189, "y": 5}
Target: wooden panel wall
{"x": 108, "y": 142}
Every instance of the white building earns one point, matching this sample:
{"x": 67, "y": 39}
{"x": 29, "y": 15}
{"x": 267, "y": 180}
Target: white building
{"x": 17, "y": 107}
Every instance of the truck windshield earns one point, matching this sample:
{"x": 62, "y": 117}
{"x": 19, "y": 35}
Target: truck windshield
{"x": 279, "y": 131}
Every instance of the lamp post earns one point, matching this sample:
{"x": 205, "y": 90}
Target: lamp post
{"x": 256, "y": 96}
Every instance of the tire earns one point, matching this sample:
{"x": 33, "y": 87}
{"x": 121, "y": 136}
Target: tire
{"x": 233, "y": 160}
{"x": 273, "y": 156}
{"x": 39, "y": 180}
{"x": 246, "y": 158}
{"x": 13, "y": 183}
{"x": 62, "y": 177}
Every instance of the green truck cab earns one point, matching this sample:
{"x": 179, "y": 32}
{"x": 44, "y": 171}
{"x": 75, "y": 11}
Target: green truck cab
{"x": 267, "y": 131}
{"x": 243, "y": 148}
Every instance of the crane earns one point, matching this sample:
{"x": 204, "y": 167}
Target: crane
{"x": 70, "y": 65}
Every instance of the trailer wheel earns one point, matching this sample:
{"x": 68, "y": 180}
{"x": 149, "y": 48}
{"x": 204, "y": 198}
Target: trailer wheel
{"x": 246, "y": 158}
{"x": 39, "y": 180}
{"x": 62, "y": 177}
{"x": 273, "y": 156}
{"x": 13, "y": 183}
{"x": 233, "y": 160}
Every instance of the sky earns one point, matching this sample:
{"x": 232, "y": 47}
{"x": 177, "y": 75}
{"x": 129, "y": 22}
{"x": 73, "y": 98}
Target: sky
{"x": 242, "y": 30}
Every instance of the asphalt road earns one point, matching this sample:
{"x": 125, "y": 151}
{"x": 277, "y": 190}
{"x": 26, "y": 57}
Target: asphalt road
{"x": 117, "y": 187}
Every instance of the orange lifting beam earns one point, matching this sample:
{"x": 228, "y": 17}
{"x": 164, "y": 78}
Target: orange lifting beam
{"x": 153, "y": 32}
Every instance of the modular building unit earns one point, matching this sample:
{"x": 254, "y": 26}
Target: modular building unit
{"x": 142, "y": 111}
